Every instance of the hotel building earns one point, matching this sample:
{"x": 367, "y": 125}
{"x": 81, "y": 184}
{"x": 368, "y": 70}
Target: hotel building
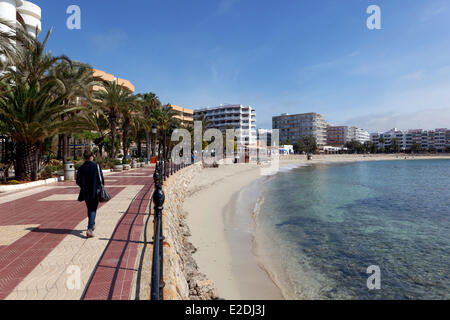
{"x": 437, "y": 140}
{"x": 295, "y": 127}
{"x": 186, "y": 116}
{"x": 105, "y": 77}
{"x": 358, "y": 134}
{"x": 101, "y": 76}
{"x": 77, "y": 147}
{"x": 238, "y": 117}
{"x": 337, "y": 136}
{"x": 21, "y": 12}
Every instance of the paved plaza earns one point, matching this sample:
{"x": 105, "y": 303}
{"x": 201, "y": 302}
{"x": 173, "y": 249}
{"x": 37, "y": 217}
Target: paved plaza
{"x": 44, "y": 253}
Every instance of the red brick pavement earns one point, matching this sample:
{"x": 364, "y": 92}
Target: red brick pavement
{"x": 112, "y": 279}
{"x": 57, "y": 219}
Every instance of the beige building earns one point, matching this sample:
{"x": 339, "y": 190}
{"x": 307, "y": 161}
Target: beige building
{"x": 338, "y": 136}
{"x": 295, "y": 127}
{"x": 103, "y": 76}
{"x": 186, "y": 116}
{"x": 76, "y": 148}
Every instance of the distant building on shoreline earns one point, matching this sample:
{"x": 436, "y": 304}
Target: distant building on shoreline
{"x": 437, "y": 140}
{"x": 338, "y": 136}
{"x": 186, "y": 116}
{"x": 238, "y": 117}
{"x": 295, "y": 127}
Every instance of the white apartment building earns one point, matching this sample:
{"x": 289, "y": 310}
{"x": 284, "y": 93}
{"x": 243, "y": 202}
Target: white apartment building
{"x": 20, "y": 11}
{"x": 358, "y": 134}
{"x": 238, "y": 117}
{"x": 295, "y": 127}
{"x": 427, "y": 140}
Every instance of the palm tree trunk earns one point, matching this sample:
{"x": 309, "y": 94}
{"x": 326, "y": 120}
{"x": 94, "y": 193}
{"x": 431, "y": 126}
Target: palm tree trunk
{"x": 139, "y": 147}
{"x": 65, "y": 147}
{"x": 100, "y": 150}
{"x": 125, "y": 140}
{"x": 113, "y": 137}
{"x": 26, "y": 162}
{"x": 149, "y": 144}
{"x": 60, "y": 147}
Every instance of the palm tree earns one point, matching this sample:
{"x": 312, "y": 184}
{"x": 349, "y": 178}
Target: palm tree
{"x": 129, "y": 116}
{"x": 98, "y": 123}
{"x": 32, "y": 106}
{"x": 32, "y": 113}
{"x": 165, "y": 119}
{"x": 205, "y": 123}
{"x": 149, "y": 102}
{"x": 78, "y": 80}
{"x": 113, "y": 99}
{"x": 10, "y": 34}
{"x": 138, "y": 132}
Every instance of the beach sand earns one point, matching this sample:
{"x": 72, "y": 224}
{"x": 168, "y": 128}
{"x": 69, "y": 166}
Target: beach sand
{"x": 225, "y": 256}
{"x": 226, "y": 252}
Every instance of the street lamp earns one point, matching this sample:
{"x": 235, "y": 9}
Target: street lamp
{"x": 174, "y": 127}
{"x": 154, "y": 132}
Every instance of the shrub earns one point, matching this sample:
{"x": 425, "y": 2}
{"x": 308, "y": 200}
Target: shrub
{"x": 78, "y": 165}
{"x": 13, "y": 182}
{"x": 48, "y": 171}
{"x": 117, "y": 162}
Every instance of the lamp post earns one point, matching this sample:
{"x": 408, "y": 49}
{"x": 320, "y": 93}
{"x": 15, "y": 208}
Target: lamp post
{"x": 174, "y": 127}
{"x": 154, "y": 132}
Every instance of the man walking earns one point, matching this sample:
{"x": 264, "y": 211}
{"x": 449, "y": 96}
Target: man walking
{"x": 88, "y": 179}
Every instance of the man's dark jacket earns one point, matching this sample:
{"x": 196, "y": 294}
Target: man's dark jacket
{"x": 88, "y": 181}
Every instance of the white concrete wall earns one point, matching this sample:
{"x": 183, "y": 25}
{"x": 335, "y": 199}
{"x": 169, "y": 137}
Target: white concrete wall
{"x": 7, "y": 12}
{"x": 31, "y": 15}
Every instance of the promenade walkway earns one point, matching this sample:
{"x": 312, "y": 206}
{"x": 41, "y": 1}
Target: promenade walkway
{"x": 44, "y": 253}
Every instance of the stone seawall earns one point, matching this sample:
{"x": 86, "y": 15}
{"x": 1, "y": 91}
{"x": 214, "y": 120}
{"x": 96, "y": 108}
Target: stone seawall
{"x": 181, "y": 275}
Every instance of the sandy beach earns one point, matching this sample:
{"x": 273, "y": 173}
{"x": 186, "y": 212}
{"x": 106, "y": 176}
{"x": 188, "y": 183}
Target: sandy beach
{"x": 226, "y": 252}
{"x": 211, "y": 194}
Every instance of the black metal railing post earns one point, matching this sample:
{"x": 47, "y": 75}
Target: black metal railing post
{"x": 158, "y": 284}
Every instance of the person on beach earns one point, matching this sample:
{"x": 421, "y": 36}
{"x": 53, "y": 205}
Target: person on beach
{"x": 88, "y": 179}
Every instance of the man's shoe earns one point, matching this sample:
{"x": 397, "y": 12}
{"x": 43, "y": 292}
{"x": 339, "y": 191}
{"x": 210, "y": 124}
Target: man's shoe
{"x": 90, "y": 234}
{"x": 95, "y": 226}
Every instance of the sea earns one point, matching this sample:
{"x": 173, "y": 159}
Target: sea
{"x": 360, "y": 230}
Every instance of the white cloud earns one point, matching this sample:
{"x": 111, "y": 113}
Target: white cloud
{"x": 425, "y": 119}
{"x": 418, "y": 75}
{"x": 110, "y": 41}
{"x": 225, "y": 6}
{"x": 434, "y": 9}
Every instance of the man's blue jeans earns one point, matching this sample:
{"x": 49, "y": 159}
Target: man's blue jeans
{"x": 92, "y": 206}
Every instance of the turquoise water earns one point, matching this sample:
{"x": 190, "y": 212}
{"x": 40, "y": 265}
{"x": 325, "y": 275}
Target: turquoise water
{"x": 324, "y": 225}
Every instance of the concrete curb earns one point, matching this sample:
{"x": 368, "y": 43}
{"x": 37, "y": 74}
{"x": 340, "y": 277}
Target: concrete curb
{"x": 29, "y": 185}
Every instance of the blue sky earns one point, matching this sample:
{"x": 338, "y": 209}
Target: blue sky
{"x": 288, "y": 56}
